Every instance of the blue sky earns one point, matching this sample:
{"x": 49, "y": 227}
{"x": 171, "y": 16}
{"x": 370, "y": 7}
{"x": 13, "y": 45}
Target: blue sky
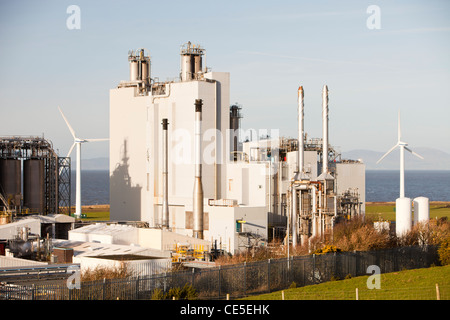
{"x": 269, "y": 47}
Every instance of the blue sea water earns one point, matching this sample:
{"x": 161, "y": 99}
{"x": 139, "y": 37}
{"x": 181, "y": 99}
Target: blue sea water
{"x": 384, "y": 185}
{"x": 381, "y": 185}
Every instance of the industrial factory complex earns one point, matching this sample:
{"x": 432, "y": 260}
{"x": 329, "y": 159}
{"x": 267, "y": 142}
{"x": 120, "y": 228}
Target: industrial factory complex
{"x": 184, "y": 180}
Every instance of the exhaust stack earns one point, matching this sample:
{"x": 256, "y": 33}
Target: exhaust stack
{"x": 198, "y": 188}
{"x": 301, "y": 147}
{"x": 165, "y": 209}
{"x": 325, "y": 129}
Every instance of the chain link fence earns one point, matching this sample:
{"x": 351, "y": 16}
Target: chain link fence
{"x": 236, "y": 280}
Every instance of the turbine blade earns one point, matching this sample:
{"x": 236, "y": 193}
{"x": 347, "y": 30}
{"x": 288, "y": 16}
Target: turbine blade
{"x": 90, "y": 140}
{"x": 399, "y": 128}
{"x": 392, "y": 149}
{"x": 70, "y": 150}
{"x": 68, "y": 124}
{"x": 416, "y": 154}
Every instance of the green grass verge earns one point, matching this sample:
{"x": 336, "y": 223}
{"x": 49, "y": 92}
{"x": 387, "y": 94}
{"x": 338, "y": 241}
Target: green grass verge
{"x": 96, "y": 216}
{"x": 417, "y": 284}
{"x": 386, "y": 212}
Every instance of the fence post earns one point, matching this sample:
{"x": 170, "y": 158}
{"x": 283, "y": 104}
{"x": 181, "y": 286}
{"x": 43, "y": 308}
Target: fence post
{"x": 268, "y": 275}
{"x": 314, "y": 268}
{"x": 245, "y": 278}
{"x": 438, "y": 295}
{"x": 357, "y": 295}
{"x": 104, "y": 289}
{"x": 219, "y": 281}
{"x": 137, "y": 287}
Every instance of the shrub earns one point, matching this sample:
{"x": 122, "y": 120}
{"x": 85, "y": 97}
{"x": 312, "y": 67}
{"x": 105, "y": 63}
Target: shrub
{"x": 157, "y": 294}
{"x": 444, "y": 252}
{"x": 327, "y": 249}
{"x": 101, "y": 272}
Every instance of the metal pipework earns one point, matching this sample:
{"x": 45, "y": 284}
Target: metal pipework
{"x": 325, "y": 129}
{"x": 165, "y": 208}
{"x": 294, "y": 217}
{"x": 301, "y": 147}
{"x": 198, "y": 188}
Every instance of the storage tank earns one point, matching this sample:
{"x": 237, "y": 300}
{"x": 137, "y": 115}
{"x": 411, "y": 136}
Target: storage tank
{"x": 10, "y": 176}
{"x": 187, "y": 67}
{"x": 33, "y": 185}
{"x": 421, "y": 209}
{"x": 134, "y": 70}
{"x": 403, "y": 221}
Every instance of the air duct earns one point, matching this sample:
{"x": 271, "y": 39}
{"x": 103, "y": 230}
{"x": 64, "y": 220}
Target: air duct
{"x": 165, "y": 209}
{"x": 198, "y": 188}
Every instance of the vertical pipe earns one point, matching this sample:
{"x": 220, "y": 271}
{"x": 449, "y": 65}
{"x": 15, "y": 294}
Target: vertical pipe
{"x": 402, "y": 171}
{"x": 78, "y": 182}
{"x": 165, "y": 209}
{"x": 301, "y": 146}
{"x": 198, "y": 188}
{"x": 325, "y": 129}
{"x": 294, "y": 217}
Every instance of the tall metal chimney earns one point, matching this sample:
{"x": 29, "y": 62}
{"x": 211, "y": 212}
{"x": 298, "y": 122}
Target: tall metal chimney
{"x": 301, "y": 147}
{"x": 165, "y": 208}
{"x": 325, "y": 129}
{"x": 198, "y": 188}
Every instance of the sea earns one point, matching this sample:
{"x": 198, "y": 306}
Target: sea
{"x": 381, "y": 185}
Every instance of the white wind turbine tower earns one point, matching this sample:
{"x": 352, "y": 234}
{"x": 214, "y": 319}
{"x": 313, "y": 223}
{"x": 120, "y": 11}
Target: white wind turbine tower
{"x": 77, "y": 142}
{"x": 403, "y": 146}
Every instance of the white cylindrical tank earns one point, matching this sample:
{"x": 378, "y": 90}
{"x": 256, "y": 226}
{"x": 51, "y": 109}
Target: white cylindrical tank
{"x": 421, "y": 209}
{"x": 134, "y": 70}
{"x": 403, "y": 221}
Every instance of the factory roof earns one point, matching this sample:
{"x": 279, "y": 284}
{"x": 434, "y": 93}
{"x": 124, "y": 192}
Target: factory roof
{"x": 94, "y": 249}
{"x": 103, "y": 228}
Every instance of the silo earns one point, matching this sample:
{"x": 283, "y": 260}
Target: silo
{"x": 33, "y": 185}
{"x": 10, "y": 174}
{"x": 134, "y": 70}
{"x": 421, "y": 209}
{"x": 403, "y": 212}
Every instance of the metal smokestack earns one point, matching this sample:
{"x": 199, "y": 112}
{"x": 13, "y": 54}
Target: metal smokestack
{"x": 301, "y": 147}
{"x": 165, "y": 209}
{"x": 325, "y": 129}
{"x": 198, "y": 188}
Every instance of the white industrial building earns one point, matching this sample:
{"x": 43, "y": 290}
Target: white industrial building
{"x": 162, "y": 146}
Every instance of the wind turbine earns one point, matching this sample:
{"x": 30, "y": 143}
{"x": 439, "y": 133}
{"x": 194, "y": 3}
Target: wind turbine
{"x": 403, "y": 146}
{"x": 77, "y": 142}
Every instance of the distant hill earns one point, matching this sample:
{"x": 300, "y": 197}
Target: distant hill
{"x": 92, "y": 164}
{"x": 434, "y": 159}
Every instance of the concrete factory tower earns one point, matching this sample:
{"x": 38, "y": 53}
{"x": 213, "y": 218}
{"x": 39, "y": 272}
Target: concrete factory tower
{"x": 140, "y": 189}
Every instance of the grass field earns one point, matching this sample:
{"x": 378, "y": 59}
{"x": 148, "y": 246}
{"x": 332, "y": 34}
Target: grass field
{"x": 386, "y": 210}
{"x": 376, "y": 210}
{"x": 417, "y": 284}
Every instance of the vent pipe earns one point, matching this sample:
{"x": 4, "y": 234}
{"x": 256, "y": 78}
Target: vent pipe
{"x": 198, "y": 188}
{"x": 165, "y": 209}
{"x": 301, "y": 147}
{"x": 325, "y": 129}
